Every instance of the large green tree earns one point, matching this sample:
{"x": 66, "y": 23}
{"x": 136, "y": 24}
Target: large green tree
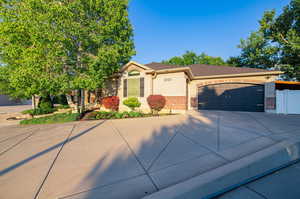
{"x": 29, "y": 48}
{"x": 57, "y": 46}
{"x": 190, "y": 57}
{"x": 276, "y": 44}
{"x": 256, "y": 52}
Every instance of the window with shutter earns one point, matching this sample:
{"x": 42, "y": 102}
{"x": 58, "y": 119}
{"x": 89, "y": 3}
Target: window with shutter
{"x": 142, "y": 87}
{"x": 125, "y": 88}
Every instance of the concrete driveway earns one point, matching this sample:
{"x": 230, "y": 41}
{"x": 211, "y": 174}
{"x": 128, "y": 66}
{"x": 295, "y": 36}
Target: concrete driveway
{"x": 283, "y": 184}
{"x": 11, "y": 111}
{"x": 129, "y": 158}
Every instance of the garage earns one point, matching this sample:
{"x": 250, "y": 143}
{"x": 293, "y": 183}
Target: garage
{"x": 231, "y": 97}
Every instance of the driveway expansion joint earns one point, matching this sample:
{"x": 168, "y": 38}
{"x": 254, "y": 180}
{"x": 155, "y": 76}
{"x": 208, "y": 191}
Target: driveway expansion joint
{"x": 253, "y": 190}
{"x": 135, "y": 156}
{"x": 100, "y": 187}
{"x": 31, "y": 133}
{"x": 165, "y": 147}
{"x": 14, "y": 136}
{"x": 53, "y": 163}
{"x": 207, "y": 148}
{"x": 260, "y": 123}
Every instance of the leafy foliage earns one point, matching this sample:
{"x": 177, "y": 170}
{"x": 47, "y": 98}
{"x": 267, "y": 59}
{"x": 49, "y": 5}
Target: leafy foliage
{"x": 132, "y": 103}
{"x": 116, "y": 115}
{"x": 54, "y": 47}
{"x": 276, "y": 44}
{"x": 60, "y": 99}
{"x": 57, "y": 118}
{"x": 111, "y": 102}
{"x": 39, "y": 111}
{"x": 62, "y": 106}
{"x": 156, "y": 102}
{"x": 257, "y": 52}
{"x": 190, "y": 58}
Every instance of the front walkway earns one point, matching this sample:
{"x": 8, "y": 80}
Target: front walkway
{"x": 129, "y": 158}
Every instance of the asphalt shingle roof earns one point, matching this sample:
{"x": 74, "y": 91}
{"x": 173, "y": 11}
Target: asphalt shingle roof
{"x": 208, "y": 70}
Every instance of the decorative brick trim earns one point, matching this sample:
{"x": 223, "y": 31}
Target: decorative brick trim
{"x": 205, "y": 83}
{"x": 176, "y": 102}
{"x": 194, "y": 102}
{"x": 270, "y": 103}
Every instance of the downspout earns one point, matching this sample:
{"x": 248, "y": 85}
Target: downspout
{"x": 153, "y": 77}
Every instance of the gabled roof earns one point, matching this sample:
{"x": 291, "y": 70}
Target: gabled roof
{"x": 136, "y": 64}
{"x": 202, "y": 70}
{"x": 160, "y": 66}
{"x": 207, "y": 70}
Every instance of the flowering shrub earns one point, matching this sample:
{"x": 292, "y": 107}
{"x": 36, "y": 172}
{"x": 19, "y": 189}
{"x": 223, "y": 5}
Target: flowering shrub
{"x": 111, "y": 102}
{"x": 156, "y": 102}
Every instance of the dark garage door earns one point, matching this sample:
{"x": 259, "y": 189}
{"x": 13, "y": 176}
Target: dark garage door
{"x": 231, "y": 97}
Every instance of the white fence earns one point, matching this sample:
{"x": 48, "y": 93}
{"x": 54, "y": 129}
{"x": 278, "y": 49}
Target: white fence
{"x": 288, "y": 101}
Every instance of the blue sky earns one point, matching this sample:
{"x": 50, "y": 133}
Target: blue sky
{"x": 167, "y": 28}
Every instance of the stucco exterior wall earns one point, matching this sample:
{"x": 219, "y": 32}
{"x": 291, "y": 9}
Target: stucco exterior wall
{"x": 172, "y": 84}
{"x": 147, "y": 88}
{"x": 194, "y": 84}
{"x": 174, "y": 87}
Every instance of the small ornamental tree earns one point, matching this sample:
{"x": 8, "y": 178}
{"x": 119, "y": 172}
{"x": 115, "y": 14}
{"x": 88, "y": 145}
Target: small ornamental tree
{"x": 156, "y": 102}
{"x": 111, "y": 103}
{"x": 132, "y": 103}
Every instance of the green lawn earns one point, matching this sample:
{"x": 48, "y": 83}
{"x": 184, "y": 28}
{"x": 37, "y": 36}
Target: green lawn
{"x": 56, "y": 118}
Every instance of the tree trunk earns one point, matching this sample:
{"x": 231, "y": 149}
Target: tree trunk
{"x": 33, "y": 102}
{"x": 98, "y": 96}
{"x": 82, "y": 101}
{"x": 69, "y": 100}
{"x": 76, "y": 101}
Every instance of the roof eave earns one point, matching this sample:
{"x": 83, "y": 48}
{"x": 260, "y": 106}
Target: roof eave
{"x": 240, "y": 75}
{"x": 137, "y": 64}
{"x": 187, "y": 70}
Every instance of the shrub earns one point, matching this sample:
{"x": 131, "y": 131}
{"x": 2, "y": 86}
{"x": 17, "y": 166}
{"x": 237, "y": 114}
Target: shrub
{"x": 111, "y": 103}
{"x": 57, "y": 118}
{"x": 45, "y": 103}
{"x": 39, "y": 111}
{"x": 105, "y": 115}
{"x": 60, "y": 99}
{"x": 156, "y": 102}
{"x": 135, "y": 114}
{"x": 63, "y": 106}
{"x": 116, "y": 115}
{"x": 132, "y": 103}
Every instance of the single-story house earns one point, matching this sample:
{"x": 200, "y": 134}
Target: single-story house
{"x": 194, "y": 87}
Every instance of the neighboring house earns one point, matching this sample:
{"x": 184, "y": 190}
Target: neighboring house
{"x": 194, "y": 87}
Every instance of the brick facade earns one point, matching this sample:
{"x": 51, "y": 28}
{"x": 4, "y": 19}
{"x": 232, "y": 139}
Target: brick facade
{"x": 176, "y": 102}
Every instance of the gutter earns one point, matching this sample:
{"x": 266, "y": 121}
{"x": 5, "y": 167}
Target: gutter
{"x": 192, "y": 77}
{"x": 239, "y": 75}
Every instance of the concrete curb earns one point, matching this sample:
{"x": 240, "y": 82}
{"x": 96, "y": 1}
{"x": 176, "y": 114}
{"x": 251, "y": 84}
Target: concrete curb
{"x": 234, "y": 174}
